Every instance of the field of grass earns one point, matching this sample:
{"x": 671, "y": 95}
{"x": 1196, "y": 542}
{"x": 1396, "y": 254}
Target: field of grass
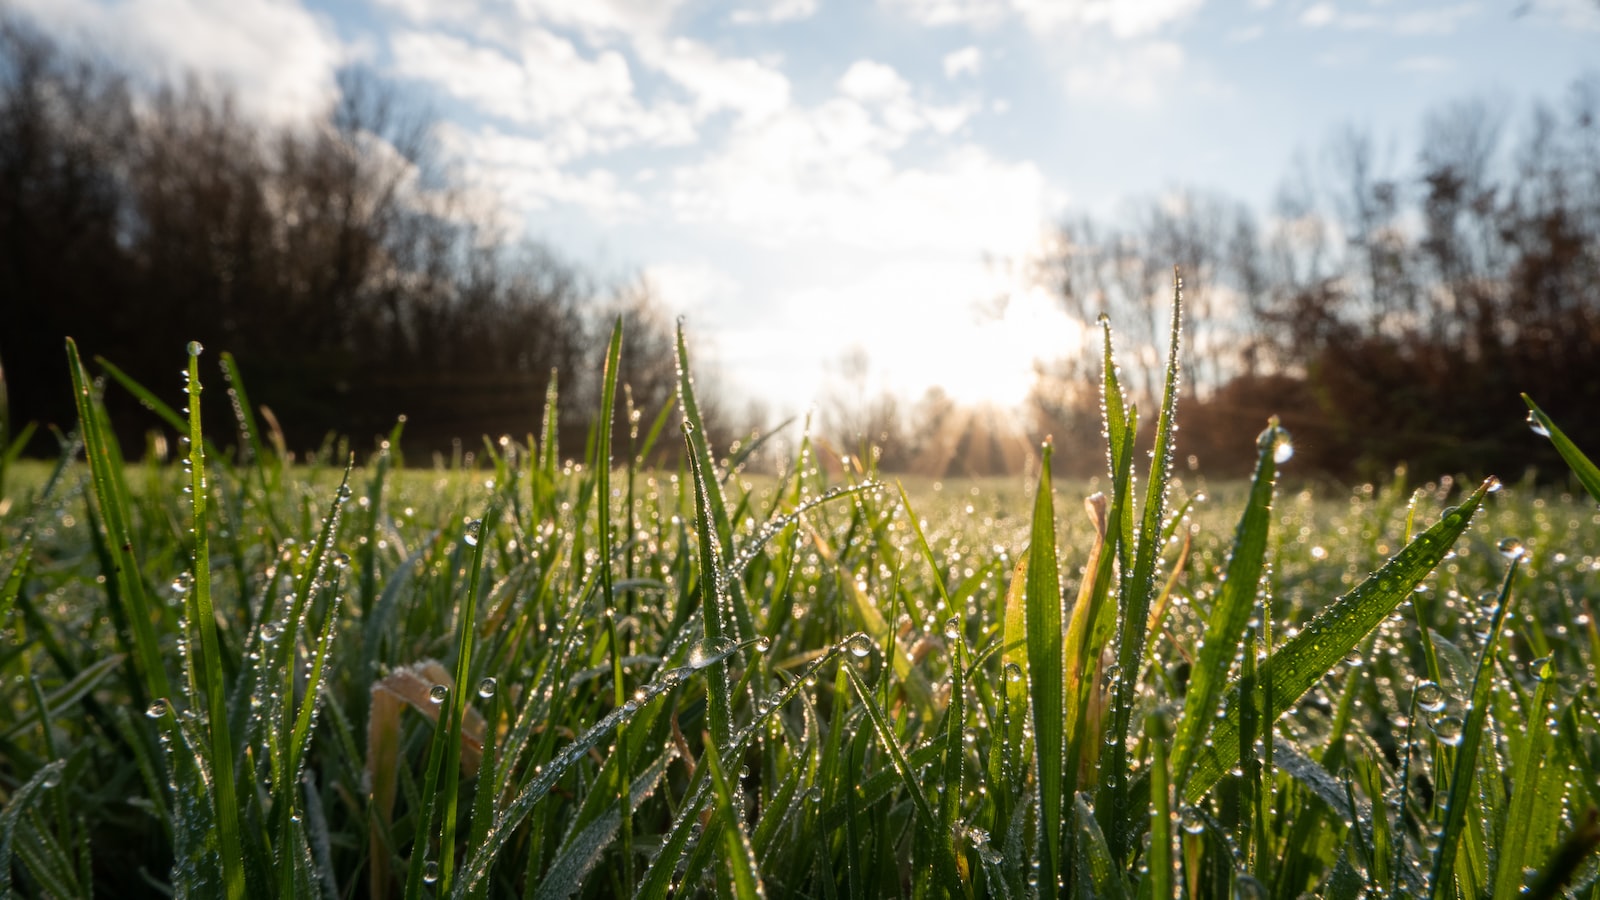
{"x": 231, "y": 677}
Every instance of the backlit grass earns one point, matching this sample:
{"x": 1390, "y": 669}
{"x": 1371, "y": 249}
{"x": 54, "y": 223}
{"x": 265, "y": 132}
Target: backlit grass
{"x": 513, "y": 675}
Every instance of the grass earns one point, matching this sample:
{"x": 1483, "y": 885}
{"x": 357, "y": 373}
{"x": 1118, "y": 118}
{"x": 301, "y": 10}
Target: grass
{"x": 517, "y": 676}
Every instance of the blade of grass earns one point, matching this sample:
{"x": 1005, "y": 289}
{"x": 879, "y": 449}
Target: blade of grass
{"x": 1464, "y": 778}
{"x": 1045, "y": 667}
{"x": 1525, "y": 778}
{"x": 111, "y": 494}
{"x": 736, "y": 844}
{"x": 1330, "y": 636}
{"x": 602, "y": 467}
{"x": 1231, "y": 610}
{"x": 13, "y": 583}
{"x": 1588, "y": 474}
{"x": 944, "y": 860}
{"x": 203, "y": 619}
{"x": 466, "y": 633}
{"x": 694, "y": 434}
{"x": 1139, "y": 585}
{"x": 1161, "y": 870}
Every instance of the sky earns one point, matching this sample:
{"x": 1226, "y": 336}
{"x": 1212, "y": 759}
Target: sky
{"x": 809, "y": 179}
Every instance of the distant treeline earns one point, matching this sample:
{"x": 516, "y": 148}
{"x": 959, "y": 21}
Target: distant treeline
{"x": 1388, "y": 313}
{"x": 331, "y": 257}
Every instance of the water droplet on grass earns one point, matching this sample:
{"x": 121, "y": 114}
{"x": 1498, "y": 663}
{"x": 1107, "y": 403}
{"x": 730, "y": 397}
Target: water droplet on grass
{"x": 430, "y": 872}
{"x": 157, "y": 709}
{"x": 1429, "y": 696}
{"x": 180, "y": 583}
{"x": 1512, "y": 549}
{"x": 470, "y": 533}
{"x": 487, "y": 686}
{"x": 1536, "y": 425}
{"x": 952, "y": 627}
{"x": 438, "y": 693}
{"x": 1013, "y": 673}
{"x": 269, "y": 632}
{"x": 196, "y": 348}
{"x": 763, "y": 644}
{"x": 1190, "y": 820}
{"x": 859, "y": 645}
{"x": 1448, "y": 729}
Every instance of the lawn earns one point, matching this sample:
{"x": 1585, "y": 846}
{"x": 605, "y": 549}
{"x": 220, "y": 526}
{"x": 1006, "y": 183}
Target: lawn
{"x": 235, "y": 677}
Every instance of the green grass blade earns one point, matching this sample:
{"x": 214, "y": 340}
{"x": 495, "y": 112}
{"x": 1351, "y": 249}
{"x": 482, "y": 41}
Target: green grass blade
{"x": 1045, "y": 667}
{"x": 202, "y": 618}
{"x": 619, "y": 684}
{"x": 1161, "y": 862}
{"x": 466, "y": 634}
{"x": 1139, "y": 584}
{"x": 243, "y": 412}
{"x": 46, "y": 777}
{"x": 1330, "y": 636}
{"x": 13, "y": 583}
{"x": 713, "y": 600}
{"x": 694, "y": 434}
{"x": 145, "y": 396}
{"x": 735, "y": 843}
{"x": 1525, "y": 780}
{"x": 1464, "y": 780}
{"x": 111, "y": 493}
{"x": 1232, "y": 607}
{"x": 944, "y": 857}
{"x": 1588, "y": 474}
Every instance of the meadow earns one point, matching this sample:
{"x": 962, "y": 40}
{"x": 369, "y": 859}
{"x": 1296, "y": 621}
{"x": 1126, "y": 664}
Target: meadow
{"x": 516, "y": 675}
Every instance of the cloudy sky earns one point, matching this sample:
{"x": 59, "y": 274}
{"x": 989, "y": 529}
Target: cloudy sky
{"x": 801, "y": 177}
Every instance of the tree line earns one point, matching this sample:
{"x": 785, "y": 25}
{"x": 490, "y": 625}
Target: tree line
{"x": 1390, "y": 313}
{"x": 334, "y": 258}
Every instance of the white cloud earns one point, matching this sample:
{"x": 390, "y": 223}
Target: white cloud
{"x": 873, "y": 82}
{"x": 595, "y": 19}
{"x": 966, "y": 61}
{"x": 1123, "y": 18}
{"x": 774, "y": 11}
{"x": 1443, "y": 20}
{"x": 528, "y": 174}
{"x": 277, "y": 57}
{"x": 746, "y": 86}
{"x": 1137, "y": 74}
{"x": 951, "y": 12}
{"x": 587, "y": 104}
{"x": 1048, "y": 18}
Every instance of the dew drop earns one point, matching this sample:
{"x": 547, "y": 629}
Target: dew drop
{"x": 180, "y": 583}
{"x": 1448, "y": 729}
{"x": 438, "y": 693}
{"x": 1429, "y": 696}
{"x": 486, "y": 687}
{"x": 952, "y": 627}
{"x": 1190, "y": 820}
{"x": 763, "y": 644}
{"x": 859, "y": 645}
{"x": 269, "y": 632}
{"x": 1013, "y": 673}
{"x": 157, "y": 709}
{"x": 1512, "y": 549}
{"x": 1536, "y": 425}
{"x": 195, "y": 348}
{"x": 430, "y": 872}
